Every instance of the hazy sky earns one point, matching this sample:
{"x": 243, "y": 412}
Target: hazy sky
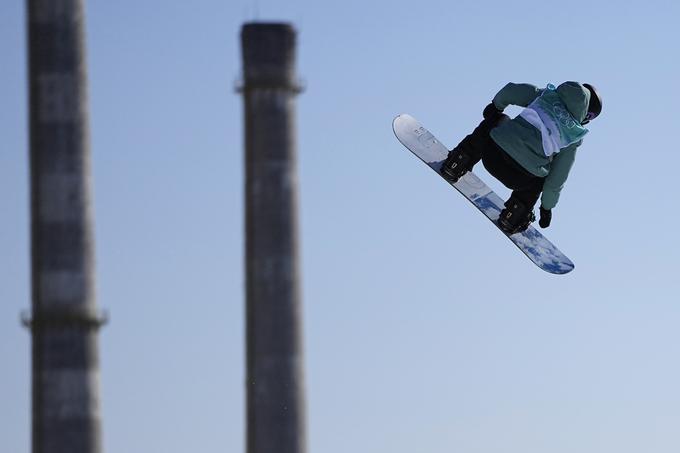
{"x": 425, "y": 329}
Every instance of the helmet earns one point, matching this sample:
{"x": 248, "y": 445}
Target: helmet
{"x": 595, "y": 104}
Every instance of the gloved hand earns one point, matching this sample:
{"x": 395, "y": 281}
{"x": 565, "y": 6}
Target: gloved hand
{"x": 546, "y": 217}
{"x": 491, "y": 112}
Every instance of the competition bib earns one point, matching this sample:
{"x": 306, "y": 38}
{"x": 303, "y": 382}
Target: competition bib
{"x": 558, "y": 127}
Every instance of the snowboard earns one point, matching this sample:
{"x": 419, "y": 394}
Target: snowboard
{"x": 533, "y": 244}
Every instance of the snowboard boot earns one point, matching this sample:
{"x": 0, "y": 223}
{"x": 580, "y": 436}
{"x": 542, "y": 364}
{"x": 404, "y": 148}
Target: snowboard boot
{"x": 516, "y": 217}
{"x": 455, "y": 166}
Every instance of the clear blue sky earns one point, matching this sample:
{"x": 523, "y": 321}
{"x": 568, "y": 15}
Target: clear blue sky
{"x": 425, "y": 329}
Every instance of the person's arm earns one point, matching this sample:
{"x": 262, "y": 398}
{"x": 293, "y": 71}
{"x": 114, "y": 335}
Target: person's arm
{"x": 559, "y": 172}
{"x": 521, "y": 94}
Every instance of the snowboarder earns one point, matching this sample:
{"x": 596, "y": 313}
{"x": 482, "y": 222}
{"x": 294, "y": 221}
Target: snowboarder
{"x": 532, "y": 153}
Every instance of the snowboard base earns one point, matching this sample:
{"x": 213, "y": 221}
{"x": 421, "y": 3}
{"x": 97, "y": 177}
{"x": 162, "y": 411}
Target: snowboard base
{"x": 421, "y": 142}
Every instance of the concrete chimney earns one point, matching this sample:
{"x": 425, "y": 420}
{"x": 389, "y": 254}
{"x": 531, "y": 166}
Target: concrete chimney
{"x": 275, "y": 381}
{"x": 64, "y": 320}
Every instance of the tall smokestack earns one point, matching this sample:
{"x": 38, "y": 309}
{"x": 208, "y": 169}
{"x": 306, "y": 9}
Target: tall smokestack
{"x": 275, "y": 382}
{"x": 64, "y": 320}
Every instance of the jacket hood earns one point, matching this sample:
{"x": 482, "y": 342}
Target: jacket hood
{"x": 576, "y": 98}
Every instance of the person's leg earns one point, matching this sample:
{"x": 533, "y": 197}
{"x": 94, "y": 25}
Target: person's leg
{"x": 519, "y": 209}
{"x": 527, "y": 188}
{"x": 530, "y": 194}
{"x": 504, "y": 168}
{"x": 469, "y": 151}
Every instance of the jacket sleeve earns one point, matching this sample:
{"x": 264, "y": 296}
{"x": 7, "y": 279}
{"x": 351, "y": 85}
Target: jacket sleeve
{"x": 521, "y": 94}
{"x": 559, "y": 171}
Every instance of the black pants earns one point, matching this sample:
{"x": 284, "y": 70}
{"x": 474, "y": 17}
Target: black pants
{"x": 525, "y": 186}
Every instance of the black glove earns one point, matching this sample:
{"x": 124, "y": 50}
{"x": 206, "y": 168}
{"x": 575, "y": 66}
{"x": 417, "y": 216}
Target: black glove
{"x": 546, "y": 217}
{"x": 491, "y": 112}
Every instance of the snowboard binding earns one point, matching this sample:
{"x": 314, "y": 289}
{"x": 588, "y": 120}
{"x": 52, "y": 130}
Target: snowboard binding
{"x": 516, "y": 217}
{"x": 455, "y": 166}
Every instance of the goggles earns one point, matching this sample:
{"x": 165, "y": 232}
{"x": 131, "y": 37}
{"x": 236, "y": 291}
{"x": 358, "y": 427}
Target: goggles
{"x": 589, "y": 117}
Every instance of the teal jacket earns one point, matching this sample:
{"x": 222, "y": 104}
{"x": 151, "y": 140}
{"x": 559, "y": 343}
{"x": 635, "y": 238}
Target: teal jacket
{"x": 523, "y": 143}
